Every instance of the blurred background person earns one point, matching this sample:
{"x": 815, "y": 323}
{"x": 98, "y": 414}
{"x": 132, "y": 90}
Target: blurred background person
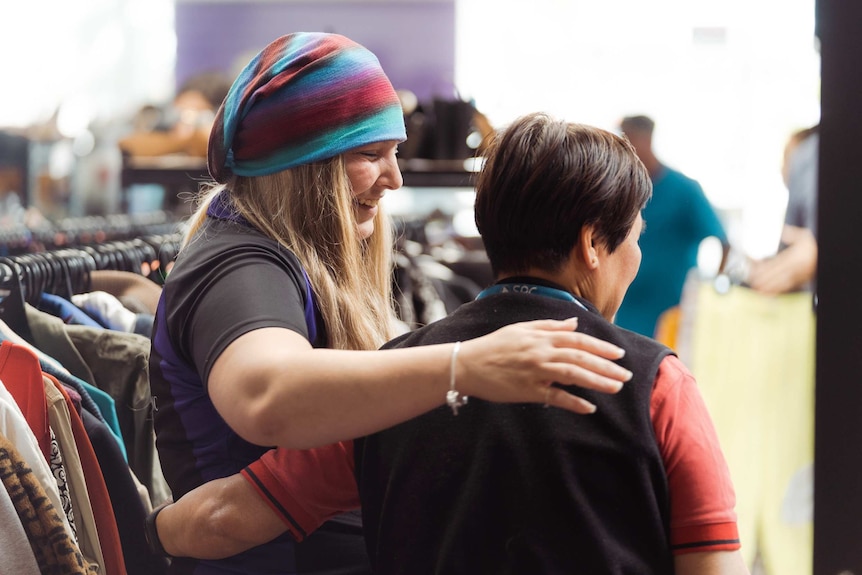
{"x": 794, "y": 266}
{"x": 678, "y": 217}
{"x": 184, "y": 126}
{"x": 769, "y": 439}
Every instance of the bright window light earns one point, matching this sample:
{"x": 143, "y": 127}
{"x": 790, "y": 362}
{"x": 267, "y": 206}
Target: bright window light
{"x": 724, "y": 83}
{"x": 93, "y": 56}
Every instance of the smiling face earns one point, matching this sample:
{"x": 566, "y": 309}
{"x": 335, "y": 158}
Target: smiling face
{"x": 372, "y": 170}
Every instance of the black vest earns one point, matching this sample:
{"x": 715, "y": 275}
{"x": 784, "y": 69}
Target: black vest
{"x": 519, "y": 488}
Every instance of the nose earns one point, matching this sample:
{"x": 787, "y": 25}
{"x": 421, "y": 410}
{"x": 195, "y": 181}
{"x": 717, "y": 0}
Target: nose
{"x": 390, "y": 175}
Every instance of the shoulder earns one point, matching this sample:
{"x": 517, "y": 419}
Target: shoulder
{"x": 675, "y": 387}
{"x": 680, "y": 180}
{"x": 640, "y": 349}
{"x": 673, "y": 369}
{"x": 226, "y": 265}
{"x": 217, "y": 235}
{"x": 672, "y": 374}
{"x": 222, "y": 246}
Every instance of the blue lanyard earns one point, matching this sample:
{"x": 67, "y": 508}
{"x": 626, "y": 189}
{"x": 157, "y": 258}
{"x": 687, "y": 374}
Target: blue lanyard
{"x": 529, "y": 289}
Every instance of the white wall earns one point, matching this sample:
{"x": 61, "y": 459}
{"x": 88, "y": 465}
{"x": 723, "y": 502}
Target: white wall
{"x": 86, "y": 59}
{"x": 726, "y": 82}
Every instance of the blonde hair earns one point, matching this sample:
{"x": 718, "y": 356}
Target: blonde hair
{"x": 309, "y": 210}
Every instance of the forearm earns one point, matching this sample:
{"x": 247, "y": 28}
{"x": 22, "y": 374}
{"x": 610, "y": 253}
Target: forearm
{"x": 273, "y": 391}
{"x": 790, "y": 268}
{"x": 218, "y": 519}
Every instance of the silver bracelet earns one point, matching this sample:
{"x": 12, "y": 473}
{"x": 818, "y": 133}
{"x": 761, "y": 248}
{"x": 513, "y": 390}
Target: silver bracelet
{"x": 454, "y": 399}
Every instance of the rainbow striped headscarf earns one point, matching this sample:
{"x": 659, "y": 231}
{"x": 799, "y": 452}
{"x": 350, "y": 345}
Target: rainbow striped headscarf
{"x": 304, "y": 98}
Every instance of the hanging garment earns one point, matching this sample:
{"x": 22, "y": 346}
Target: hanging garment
{"x": 109, "y": 537}
{"x": 58, "y": 471}
{"x": 53, "y": 548}
{"x": 20, "y": 372}
{"x": 15, "y": 428}
{"x": 50, "y": 337}
{"x": 7, "y": 333}
{"x": 753, "y": 356}
{"x": 129, "y": 512}
{"x": 49, "y": 334}
{"x": 52, "y": 367}
{"x": 68, "y": 312}
{"x": 119, "y": 363}
{"x": 106, "y": 309}
{"x": 18, "y": 558}
{"x": 61, "y": 423}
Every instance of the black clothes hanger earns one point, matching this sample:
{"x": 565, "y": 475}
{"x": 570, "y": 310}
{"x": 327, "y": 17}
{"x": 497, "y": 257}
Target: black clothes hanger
{"x": 166, "y": 247}
{"x": 55, "y": 265}
{"x": 12, "y": 310}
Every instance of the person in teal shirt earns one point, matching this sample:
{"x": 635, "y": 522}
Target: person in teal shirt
{"x": 678, "y": 217}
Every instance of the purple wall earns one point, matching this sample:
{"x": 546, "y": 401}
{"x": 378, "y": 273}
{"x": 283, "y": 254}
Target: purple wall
{"x": 415, "y": 41}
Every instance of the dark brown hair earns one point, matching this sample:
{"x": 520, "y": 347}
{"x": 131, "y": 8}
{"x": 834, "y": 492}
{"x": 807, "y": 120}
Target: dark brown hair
{"x": 543, "y": 180}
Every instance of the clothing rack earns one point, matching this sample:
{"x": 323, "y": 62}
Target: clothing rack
{"x": 57, "y": 257}
{"x": 97, "y": 369}
{"x": 29, "y": 237}
{"x": 60, "y": 258}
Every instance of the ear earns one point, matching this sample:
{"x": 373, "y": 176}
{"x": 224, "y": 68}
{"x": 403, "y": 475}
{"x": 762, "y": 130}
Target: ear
{"x": 587, "y": 251}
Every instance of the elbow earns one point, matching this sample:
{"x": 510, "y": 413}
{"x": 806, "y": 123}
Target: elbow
{"x": 256, "y": 416}
{"x": 259, "y": 406}
{"x": 268, "y": 423}
{"x": 259, "y": 426}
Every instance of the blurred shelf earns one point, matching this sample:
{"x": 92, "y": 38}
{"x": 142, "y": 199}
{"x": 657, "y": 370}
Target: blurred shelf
{"x": 421, "y": 173}
{"x": 182, "y": 175}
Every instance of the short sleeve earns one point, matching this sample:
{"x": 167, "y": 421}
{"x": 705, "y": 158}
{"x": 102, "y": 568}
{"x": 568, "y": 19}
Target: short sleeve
{"x": 702, "y": 499}
{"x": 231, "y": 284}
{"x": 306, "y": 487}
{"x": 703, "y": 216}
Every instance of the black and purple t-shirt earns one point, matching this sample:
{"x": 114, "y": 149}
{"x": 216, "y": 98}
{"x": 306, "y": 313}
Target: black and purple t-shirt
{"x": 228, "y": 281}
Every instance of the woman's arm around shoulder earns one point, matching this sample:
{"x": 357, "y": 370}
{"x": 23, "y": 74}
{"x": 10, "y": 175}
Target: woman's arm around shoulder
{"x": 272, "y": 388}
